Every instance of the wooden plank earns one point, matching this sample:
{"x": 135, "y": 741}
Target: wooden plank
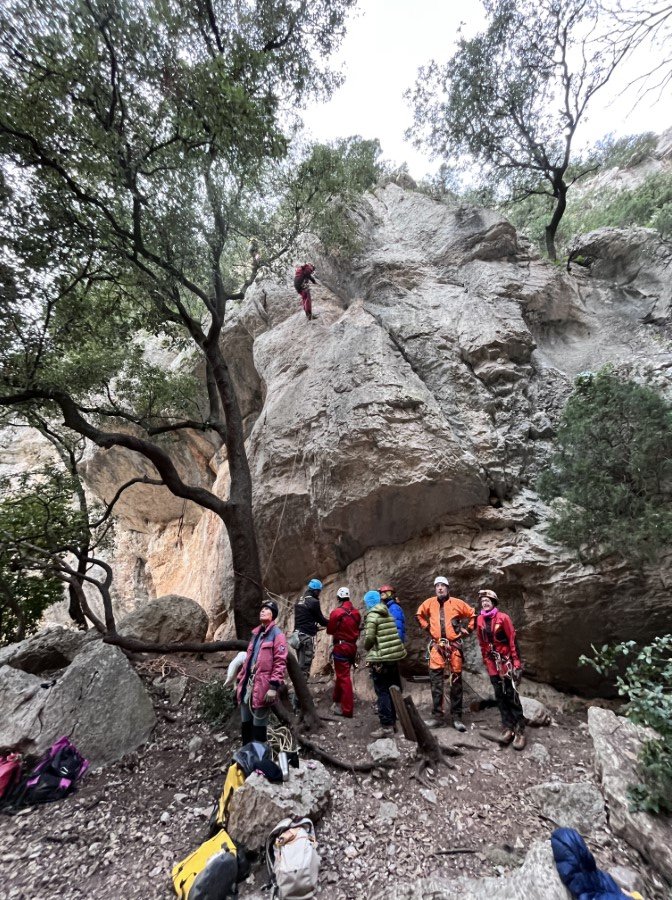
{"x": 402, "y": 714}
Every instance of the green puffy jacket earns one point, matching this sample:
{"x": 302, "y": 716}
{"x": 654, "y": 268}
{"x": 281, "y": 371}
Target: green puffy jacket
{"x": 381, "y": 636}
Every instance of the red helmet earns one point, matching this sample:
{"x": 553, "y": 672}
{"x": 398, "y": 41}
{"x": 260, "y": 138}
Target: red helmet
{"x": 385, "y": 589}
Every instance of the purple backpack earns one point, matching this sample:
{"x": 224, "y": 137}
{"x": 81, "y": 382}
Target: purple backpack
{"x": 53, "y": 777}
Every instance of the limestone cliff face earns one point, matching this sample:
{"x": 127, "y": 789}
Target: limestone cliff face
{"x": 401, "y": 433}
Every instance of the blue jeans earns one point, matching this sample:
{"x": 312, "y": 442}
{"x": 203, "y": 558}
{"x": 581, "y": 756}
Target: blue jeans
{"x": 384, "y": 675}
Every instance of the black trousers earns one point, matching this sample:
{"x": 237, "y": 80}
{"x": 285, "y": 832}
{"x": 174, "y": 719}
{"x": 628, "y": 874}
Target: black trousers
{"x": 508, "y": 701}
{"x": 384, "y": 675}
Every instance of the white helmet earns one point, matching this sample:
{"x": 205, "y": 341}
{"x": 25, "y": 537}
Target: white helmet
{"x": 441, "y": 579}
{"x": 343, "y": 594}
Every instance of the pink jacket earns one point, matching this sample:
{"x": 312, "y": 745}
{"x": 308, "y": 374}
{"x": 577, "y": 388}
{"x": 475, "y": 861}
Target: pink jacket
{"x": 270, "y": 667}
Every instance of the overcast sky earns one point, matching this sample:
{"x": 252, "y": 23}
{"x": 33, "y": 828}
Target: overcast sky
{"x": 388, "y": 40}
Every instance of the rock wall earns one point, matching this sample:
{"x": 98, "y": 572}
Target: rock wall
{"x": 401, "y": 433}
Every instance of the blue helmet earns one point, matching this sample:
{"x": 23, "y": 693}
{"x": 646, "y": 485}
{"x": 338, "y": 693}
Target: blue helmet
{"x": 371, "y": 599}
{"x": 314, "y": 584}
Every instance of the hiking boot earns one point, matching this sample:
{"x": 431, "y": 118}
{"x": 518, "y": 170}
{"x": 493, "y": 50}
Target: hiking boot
{"x": 506, "y": 736}
{"x": 385, "y": 732}
{"x": 519, "y": 741}
{"x": 437, "y": 714}
{"x": 458, "y": 724}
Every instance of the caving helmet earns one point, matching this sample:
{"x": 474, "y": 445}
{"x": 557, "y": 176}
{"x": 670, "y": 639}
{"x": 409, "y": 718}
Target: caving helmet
{"x": 314, "y": 584}
{"x": 343, "y": 593}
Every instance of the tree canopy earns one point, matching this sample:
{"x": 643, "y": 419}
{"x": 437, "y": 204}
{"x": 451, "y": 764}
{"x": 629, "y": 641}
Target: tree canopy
{"x": 143, "y": 144}
{"x": 611, "y": 473}
{"x": 512, "y": 98}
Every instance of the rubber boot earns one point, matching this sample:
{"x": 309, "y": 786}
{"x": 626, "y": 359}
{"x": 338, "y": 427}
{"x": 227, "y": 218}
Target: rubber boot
{"x": 259, "y": 733}
{"x": 246, "y": 732}
{"x": 436, "y": 684}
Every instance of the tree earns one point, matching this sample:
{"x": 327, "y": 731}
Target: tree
{"x": 142, "y": 147}
{"x": 646, "y": 32}
{"x": 611, "y": 472}
{"x": 38, "y": 514}
{"x": 512, "y": 98}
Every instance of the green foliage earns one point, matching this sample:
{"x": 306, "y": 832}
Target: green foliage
{"x": 216, "y": 703}
{"x": 645, "y": 679}
{"x": 610, "y": 476}
{"x": 649, "y": 205}
{"x": 624, "y": 152}
{"x": 34, "y": 515}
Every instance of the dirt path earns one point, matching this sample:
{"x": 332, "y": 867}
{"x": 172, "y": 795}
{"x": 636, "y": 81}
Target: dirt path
{"x": 122, "y": 832}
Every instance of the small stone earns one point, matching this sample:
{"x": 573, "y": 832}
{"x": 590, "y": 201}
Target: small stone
{"x": 351, "y": 851}
{"x": 428, "y": 794}
{"x": 627, "y": 878}
{"x": 195, "y": 744}
{"x": 166, "y": 817}
{"x": 94, "y": 848}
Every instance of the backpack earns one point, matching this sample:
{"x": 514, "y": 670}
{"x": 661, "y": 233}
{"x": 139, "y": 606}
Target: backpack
{"x": 10, "y": 773}
{"x": 54, "y": 777}
{"x": 235, "y": 777}
{"x": 292, "y": 859}
{"x": 212, "y": 871}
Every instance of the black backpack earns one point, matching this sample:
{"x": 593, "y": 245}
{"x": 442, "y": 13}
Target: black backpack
{"x": 54, "y": 777}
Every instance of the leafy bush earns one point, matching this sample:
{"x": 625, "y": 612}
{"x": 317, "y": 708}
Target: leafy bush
{"x": 216, "y": 703}
{"x": 624, "y": 152}
{"x": 646, "y": 682}
{"x": 611, "y": 474}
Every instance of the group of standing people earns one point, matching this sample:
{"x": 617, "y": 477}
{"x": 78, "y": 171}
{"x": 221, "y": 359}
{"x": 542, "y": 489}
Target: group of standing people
{"x": 446, "y": 620}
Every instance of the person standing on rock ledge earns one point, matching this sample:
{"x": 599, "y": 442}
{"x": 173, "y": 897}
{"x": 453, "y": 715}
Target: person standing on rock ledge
{"x": 261, "y": 674}
{"x": 499, "y": 649}
{"x": 303, "y": 275}
{"x": 384, "y": 652}
{"x": 442, "y": 618}
{"x": 308, "y": 618}
{"x": 344, "y": 624}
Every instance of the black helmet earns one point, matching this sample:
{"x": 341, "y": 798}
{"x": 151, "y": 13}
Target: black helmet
{"x": 273, "y": 606}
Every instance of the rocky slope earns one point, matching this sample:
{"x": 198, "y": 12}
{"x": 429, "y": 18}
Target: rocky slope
{"x": 402, "y": 432}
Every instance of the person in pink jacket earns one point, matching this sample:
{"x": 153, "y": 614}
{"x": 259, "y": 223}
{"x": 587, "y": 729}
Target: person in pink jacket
{"x": 261, "y": 674}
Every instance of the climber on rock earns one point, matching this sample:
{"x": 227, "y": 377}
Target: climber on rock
{"x": 442, "y": 617}
{"x": 389, "y": 598}
{"x": 307, "y": 619}
{"x": 261, "y": 674}
{"x": 303, "y": 275}
{"x": 499, "y": 648}
{"x": 384, "y": 651}
{"x": 344, "y": 625}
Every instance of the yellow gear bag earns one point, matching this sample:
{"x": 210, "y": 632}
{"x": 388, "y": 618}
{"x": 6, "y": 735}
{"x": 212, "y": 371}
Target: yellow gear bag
{"x": 210, "y": 868}
{"x": 235, "y": 777}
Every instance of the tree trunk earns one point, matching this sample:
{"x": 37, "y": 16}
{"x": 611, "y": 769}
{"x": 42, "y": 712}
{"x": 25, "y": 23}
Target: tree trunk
{"x": 558, "y": 213}
{"x": 248, "y": 593}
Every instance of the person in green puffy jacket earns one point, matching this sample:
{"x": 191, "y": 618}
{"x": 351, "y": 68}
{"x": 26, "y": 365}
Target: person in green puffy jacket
{"x": 383, "y": 652}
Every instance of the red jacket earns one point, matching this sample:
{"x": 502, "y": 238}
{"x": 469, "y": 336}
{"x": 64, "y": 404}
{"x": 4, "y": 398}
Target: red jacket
{"x": 270, "y": 667}
{"x": 343, "y": 624}
{"x": 496, "y": 635}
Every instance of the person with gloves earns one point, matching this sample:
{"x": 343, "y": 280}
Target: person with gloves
{"x": 261, "y": 674}
{"x": 499, "y": 649}
{"x": 384, "y": 652}
{"x": 344, "y": 625}
{"x": 446, "y": 620}
{"x": 389, "y": 598}
{"x": 307, "y": 619}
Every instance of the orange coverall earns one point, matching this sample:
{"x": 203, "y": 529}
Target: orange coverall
{"x": 442, "y": 621}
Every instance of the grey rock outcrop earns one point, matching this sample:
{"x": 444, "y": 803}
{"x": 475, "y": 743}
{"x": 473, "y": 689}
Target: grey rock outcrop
{"x": 48, "y": 650}
{"x": 258, "y": 805}
{"x": 618, "y": 744}
{"x": 579, "y": 805}
{"x": 170, "y": 619}
{"x": 537, "y": 879}
{"x": 98, "y": 701}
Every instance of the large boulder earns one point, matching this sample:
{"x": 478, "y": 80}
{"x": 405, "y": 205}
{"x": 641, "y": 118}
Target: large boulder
{"x": 617, "y": 744}
{"x": 48, "y": 650}
{"x": 537, "y": 879}
{"x": 258, "y": 805}
{"x": 169, "y": 619}
{"x": 578, "y": 805}
{"x": 98, "y": 701}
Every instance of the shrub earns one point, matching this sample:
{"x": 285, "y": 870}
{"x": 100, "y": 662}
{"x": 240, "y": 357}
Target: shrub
{"x": 216, "y": 703}
{"x": 610, "y": 476}
{"x": 646, "y": 682}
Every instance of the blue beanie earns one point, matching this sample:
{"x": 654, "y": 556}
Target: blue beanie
{"x": 314, "y": 585}
{"x": 371, "y": 599}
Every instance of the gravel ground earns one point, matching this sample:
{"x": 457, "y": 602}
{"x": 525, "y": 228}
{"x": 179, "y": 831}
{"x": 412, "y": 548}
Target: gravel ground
{"x": 120, "y": 835}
